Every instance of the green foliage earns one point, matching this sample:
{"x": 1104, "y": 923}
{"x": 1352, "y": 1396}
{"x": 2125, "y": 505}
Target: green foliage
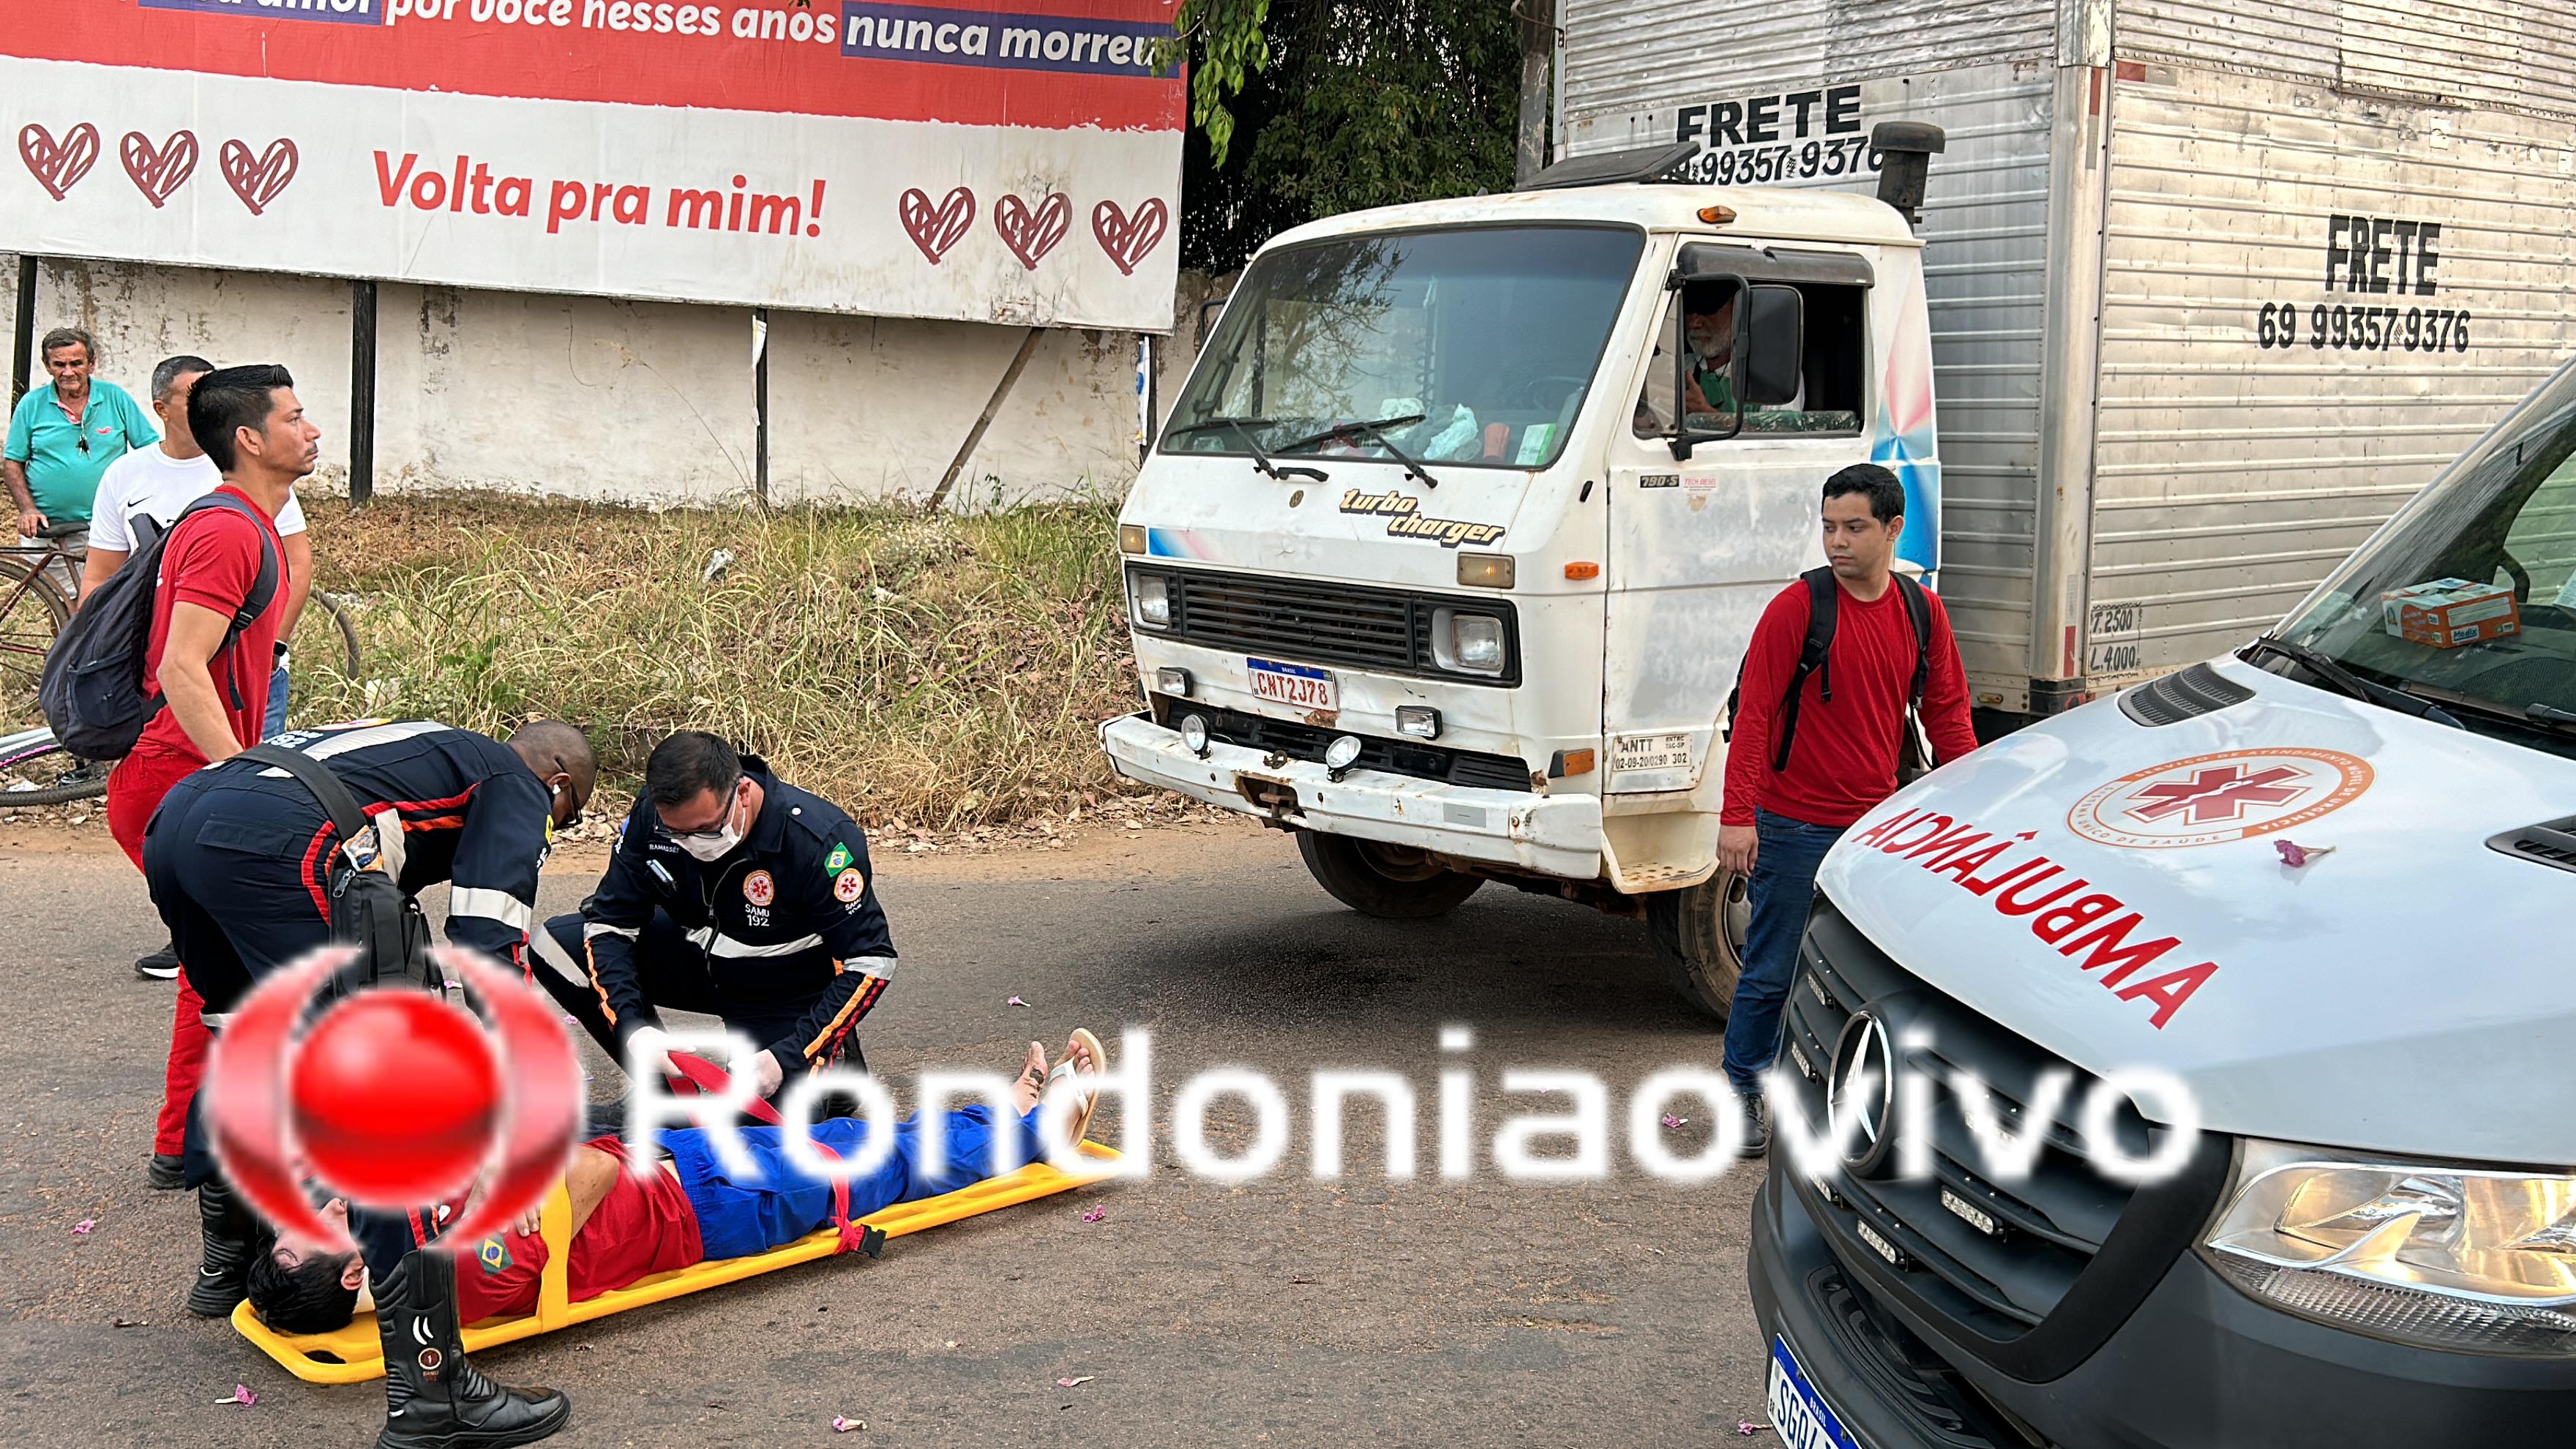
{"x": 1339, "y": 105}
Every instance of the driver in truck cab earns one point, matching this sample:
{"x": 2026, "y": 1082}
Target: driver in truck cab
{"x": 1840, "y": 663}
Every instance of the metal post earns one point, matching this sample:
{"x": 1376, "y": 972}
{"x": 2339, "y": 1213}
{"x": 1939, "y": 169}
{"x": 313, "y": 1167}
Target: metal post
{"x": 975, "y": 434}
{"x": 760, "y": 403}
{"x": 26, "y": 344}
{"x": 362, "y": 393}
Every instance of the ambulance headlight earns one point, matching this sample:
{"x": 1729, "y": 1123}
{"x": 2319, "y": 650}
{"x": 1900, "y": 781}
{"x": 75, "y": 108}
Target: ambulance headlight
{"x": 1152, "y": 594}
{"x": 2465, "y": 1259}
{"x": 1467, "y": 643}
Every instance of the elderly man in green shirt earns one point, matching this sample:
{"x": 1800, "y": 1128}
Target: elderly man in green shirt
{"x": 60, "y": 439}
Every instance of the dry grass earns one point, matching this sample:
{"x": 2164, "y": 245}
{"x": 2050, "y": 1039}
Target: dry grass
{"x": 923, "y": 672}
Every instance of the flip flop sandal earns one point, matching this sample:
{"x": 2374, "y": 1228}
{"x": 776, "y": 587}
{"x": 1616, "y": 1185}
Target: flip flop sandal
{"x": 1065, "y": 1068}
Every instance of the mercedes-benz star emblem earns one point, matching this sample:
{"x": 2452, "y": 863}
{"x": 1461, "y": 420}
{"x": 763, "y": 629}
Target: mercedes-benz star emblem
{"x": 1862, "y": 1050}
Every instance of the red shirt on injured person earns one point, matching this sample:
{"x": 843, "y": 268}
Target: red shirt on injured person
{"x": 643, "y": 1226}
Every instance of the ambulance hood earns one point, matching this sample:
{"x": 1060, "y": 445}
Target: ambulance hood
{"x": 2116, "y": 892}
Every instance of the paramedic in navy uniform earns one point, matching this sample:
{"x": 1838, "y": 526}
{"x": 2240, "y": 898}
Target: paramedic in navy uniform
{"x": 734, "y": 894}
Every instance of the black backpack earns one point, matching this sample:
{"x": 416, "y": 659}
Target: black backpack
{"x": 92, "y": 691}
{"x": 368, "y": 907}
{"x": 1824, "y": 600}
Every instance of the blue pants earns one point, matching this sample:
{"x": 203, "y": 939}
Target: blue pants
{"x": 1781, "y": 892}
{"x": 275, "y": 724}
{"x": 781, "y": 1204}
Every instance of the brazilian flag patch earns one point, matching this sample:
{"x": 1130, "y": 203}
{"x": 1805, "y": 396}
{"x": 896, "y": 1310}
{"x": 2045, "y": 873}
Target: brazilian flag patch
{"x": 494, "y": 1256}
{"x": 837, "y": 861}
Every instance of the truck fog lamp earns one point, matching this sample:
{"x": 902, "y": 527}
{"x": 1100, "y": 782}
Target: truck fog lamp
{"x": 1341, "y": 754}
{"x": 1419, "y": 721}
{"x": 1153, "y": 601}
{"x": 1194, "y": 734}
{"x": 2450, "y": 1257}
{"x": 1173, "y": 682}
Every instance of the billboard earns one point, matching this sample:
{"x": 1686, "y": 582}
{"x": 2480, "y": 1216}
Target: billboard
{"x": 1018, "y": 166}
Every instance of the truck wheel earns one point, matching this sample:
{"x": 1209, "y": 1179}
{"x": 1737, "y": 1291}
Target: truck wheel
{"x": 1699, "y": 937}
{"x": 1391, "y": 882}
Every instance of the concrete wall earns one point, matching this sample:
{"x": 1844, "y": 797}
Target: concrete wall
{"x": 638, "y": 401}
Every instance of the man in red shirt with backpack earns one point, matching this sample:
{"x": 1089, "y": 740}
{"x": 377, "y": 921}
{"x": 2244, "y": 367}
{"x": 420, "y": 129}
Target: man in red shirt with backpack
{"x": 207, "y": 663}
{"x": 1838, "y": 667}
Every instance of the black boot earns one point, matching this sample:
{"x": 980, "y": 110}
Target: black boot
{"x": 224, "y": 1225}
{"x": 434, "y": 1399}
{"x": 168, "y": 1172}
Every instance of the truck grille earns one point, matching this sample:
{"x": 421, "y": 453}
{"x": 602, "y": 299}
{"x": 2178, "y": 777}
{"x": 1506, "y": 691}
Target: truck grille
{"x": 1306, "y": 742}
{"x": 1306, "y": 622}
{"x": 2073, "y": 1253}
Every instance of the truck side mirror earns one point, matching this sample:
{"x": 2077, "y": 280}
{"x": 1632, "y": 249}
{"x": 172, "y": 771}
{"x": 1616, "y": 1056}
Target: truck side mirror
{"x": 1772, "y": 331}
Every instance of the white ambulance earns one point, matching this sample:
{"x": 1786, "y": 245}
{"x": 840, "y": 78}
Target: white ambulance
{"x": 1453, "y": 539}
{"x": 2320, "y": 879}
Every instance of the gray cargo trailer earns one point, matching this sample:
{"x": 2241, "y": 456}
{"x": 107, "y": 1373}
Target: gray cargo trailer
{"x": 2213, "y": 288}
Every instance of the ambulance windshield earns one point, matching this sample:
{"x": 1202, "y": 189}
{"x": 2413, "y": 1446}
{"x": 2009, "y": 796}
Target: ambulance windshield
{"x": 2468, "y": 600}
{"x": 1472, "y": 347}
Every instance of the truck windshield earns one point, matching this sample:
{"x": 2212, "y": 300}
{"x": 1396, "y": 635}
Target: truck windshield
{"x": 1476, "y": 346}
{"x": 2468, "y": 599}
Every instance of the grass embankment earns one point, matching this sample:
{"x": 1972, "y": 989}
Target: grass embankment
{"x": 926, "y": 673}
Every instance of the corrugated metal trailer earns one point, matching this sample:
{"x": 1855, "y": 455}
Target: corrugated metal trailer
{"x": 2213, "y": 287}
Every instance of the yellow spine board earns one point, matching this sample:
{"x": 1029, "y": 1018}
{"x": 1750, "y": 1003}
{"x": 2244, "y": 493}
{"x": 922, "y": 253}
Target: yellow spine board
{"x": 352, "y": 1354}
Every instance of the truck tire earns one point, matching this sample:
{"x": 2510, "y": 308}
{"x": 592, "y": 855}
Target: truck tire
{"x": 1390, "y": 882}
{"x": 1699, "y": 938}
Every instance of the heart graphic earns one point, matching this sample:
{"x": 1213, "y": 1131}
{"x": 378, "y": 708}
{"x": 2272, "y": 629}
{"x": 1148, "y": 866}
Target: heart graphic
{"x": 158, "y": 171}
{"x": 1128, "y": 238}
{"x": 258, "y": 179}
{"x": 59, "y": 165}
{"x": 1032, "y": 234}
{"x": 936, "y": 229}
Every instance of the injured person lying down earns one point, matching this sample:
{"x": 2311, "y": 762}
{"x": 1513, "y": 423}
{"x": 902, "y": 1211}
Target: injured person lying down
{"x": 627, "y": 1226}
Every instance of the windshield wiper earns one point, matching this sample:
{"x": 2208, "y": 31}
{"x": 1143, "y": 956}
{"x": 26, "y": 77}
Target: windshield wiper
{"x": 2353, "y": 684}
{"x": 1243, "y": 429}
{"x": 1376, "y": 428}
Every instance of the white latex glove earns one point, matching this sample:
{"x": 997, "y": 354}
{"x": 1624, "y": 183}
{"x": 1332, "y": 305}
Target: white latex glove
{"x": 766, "y": 1073}
{"x": 648, "y": 1053}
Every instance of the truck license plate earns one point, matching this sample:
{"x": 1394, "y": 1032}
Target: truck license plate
{"x": 1294, "y": 684}
{"x": 1798, "y": 1412}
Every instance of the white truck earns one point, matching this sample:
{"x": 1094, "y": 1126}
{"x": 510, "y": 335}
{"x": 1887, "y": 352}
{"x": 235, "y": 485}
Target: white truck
{"x": 1430, "y": 567}
{"x": 2199, "y": 296}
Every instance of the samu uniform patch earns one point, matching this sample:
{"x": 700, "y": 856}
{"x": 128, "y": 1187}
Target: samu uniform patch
{"x": 848, "y": 886}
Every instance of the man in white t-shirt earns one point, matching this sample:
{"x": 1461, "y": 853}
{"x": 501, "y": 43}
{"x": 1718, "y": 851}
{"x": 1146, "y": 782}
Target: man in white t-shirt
{"x": 144, "y": 492}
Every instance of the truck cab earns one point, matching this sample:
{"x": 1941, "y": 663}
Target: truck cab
{"x": 1451, "y": 545}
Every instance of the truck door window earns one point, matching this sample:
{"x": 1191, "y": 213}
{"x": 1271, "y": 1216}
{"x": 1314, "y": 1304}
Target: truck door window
{"x": 1489, "y": 335}
{"x": 1700, "y": 319}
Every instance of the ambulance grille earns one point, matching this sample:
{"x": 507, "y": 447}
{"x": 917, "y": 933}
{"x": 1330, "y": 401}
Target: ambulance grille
{"x": 2071, "y": 1252}
{"x": 1303, "y": 621}
{"x": 2188, "y": 694}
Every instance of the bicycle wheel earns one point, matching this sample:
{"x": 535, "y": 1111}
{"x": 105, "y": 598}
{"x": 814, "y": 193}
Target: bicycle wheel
{"x": 32, "y": 612}
{"x": 327, "y": 635}
{"x": 36, "y": 770}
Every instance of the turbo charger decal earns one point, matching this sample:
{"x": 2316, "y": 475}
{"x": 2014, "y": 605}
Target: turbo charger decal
{"x": 394, "y": 1096}
{"x": 1405, "y": 520}
{"x": 2091, "y": 927}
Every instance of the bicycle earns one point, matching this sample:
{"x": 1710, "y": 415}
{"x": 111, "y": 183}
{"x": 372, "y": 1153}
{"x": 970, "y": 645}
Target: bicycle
{"x": 35, "y": 769}
{"x": 33, "y": 609}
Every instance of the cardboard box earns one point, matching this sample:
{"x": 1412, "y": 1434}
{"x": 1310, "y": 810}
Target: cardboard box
{"x": 2454, "y": 614}
{"x": 2391, "y": 601}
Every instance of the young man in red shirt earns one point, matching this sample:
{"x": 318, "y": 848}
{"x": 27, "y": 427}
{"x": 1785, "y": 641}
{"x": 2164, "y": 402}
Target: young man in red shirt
{"x": 214, "y": 693}
{"x": 1776, "y": 824}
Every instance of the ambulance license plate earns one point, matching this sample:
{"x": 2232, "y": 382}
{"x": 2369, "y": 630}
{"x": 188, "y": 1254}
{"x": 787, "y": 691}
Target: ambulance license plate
{"x": 1800, "y": 1415}
{"x": 1294, "y": 684}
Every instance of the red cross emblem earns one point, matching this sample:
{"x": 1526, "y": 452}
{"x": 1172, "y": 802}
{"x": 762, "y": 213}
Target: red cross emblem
{"x": 2219, "y": 793}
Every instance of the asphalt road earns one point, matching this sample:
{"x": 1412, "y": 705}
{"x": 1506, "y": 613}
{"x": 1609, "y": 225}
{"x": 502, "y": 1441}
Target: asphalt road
{"x": 1279, "y": 1311}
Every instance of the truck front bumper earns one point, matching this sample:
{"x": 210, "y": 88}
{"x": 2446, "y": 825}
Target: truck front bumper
{"x": 1556, "y": 835}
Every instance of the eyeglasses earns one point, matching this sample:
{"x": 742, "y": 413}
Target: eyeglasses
{"x": 732, "y": 794}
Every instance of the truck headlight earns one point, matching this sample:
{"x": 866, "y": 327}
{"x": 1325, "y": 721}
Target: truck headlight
{"x": 1153, "y": 596}
{"x": 1467, "y": 643}
{"x": 2466, "y": 1259}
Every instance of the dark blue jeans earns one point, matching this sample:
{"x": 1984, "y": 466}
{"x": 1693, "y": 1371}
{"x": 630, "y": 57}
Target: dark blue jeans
{"x": 1782, "y": 889}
